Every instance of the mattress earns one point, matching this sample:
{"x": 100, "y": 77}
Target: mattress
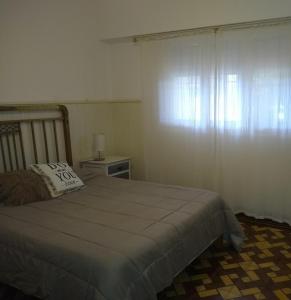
{"x": 115, "y": 240}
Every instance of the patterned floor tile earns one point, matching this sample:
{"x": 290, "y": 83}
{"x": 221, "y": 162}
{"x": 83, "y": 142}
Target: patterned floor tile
{"x": 262, "y": 270}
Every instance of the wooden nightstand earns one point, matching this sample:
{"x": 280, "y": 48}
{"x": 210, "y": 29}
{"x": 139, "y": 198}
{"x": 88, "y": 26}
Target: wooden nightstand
{"x": 115, "y": 166}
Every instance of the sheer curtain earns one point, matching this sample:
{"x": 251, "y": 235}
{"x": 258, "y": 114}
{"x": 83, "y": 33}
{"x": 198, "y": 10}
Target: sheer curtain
{"x": 178, "y": 80}
{"x": 217, "y": 115}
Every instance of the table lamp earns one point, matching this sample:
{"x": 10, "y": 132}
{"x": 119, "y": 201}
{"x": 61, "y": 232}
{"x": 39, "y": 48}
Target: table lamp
{"x": 99, "y": 146}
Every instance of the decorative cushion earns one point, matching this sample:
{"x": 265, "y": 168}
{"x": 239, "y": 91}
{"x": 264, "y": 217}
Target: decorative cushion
{"x": 58, "y": 177}
{"x": 22, "y": 187}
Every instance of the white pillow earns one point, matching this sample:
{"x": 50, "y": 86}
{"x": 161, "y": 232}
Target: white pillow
{"x": 58, "y": 177}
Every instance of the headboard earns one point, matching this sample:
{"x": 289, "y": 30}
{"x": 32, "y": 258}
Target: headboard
{"x": 33, "y": 134}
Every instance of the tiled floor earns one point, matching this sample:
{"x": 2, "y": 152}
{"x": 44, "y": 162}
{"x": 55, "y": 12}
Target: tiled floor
{"x": 262, "y": 270}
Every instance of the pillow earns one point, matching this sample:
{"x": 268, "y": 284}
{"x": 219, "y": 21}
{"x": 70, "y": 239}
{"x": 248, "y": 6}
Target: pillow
{"x": 22, "y": 187}
{"x": 58, "y": 177}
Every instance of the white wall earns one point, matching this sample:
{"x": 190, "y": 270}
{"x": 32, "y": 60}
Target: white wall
{"x": 130, "y": 17}
{"x": 50, "y": 51}
{"x": 128, "y": 134}
{"x": 121, "y": 124}
{"x": 124, "y": 69}
{"x": 85, "y": 121}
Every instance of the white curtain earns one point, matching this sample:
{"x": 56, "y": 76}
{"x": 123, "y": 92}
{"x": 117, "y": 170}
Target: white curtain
{"x": 217, "y": 115}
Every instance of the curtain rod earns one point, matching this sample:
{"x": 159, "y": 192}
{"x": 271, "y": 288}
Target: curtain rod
{"x": 198, "y": 30}
{"x": 231, "y": 26}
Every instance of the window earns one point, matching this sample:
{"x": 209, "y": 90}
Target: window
{"x": 182, "y": 102}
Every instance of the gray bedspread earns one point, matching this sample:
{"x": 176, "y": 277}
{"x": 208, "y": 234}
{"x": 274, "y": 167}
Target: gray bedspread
{"x": 114, "y": 240}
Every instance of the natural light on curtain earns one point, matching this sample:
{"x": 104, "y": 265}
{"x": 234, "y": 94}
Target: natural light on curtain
{"x": 218, "y": 115}
{"x": 242, "y": 96}
{"x": 186, "y": 81}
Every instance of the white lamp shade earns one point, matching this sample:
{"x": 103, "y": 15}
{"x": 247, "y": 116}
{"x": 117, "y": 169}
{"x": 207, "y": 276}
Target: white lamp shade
{"x": 99, "y": 142}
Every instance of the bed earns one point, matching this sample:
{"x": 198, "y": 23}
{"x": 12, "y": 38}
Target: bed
{"x": 116, "y": 239}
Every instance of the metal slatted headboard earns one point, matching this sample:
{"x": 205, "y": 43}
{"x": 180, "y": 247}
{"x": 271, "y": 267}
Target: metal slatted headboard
{"x": 12, "y": 146}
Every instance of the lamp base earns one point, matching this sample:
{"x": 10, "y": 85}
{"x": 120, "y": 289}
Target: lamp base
{"x": 100, "y": 156}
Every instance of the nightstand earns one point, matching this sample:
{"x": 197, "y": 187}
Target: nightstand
{"x": 115, "y": 166}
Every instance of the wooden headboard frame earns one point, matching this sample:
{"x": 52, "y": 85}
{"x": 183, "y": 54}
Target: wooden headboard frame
{"x": 10, "y": 132}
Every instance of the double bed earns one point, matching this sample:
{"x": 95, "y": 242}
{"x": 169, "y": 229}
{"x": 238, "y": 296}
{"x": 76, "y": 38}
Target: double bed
{"x": 116, "y": 239}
